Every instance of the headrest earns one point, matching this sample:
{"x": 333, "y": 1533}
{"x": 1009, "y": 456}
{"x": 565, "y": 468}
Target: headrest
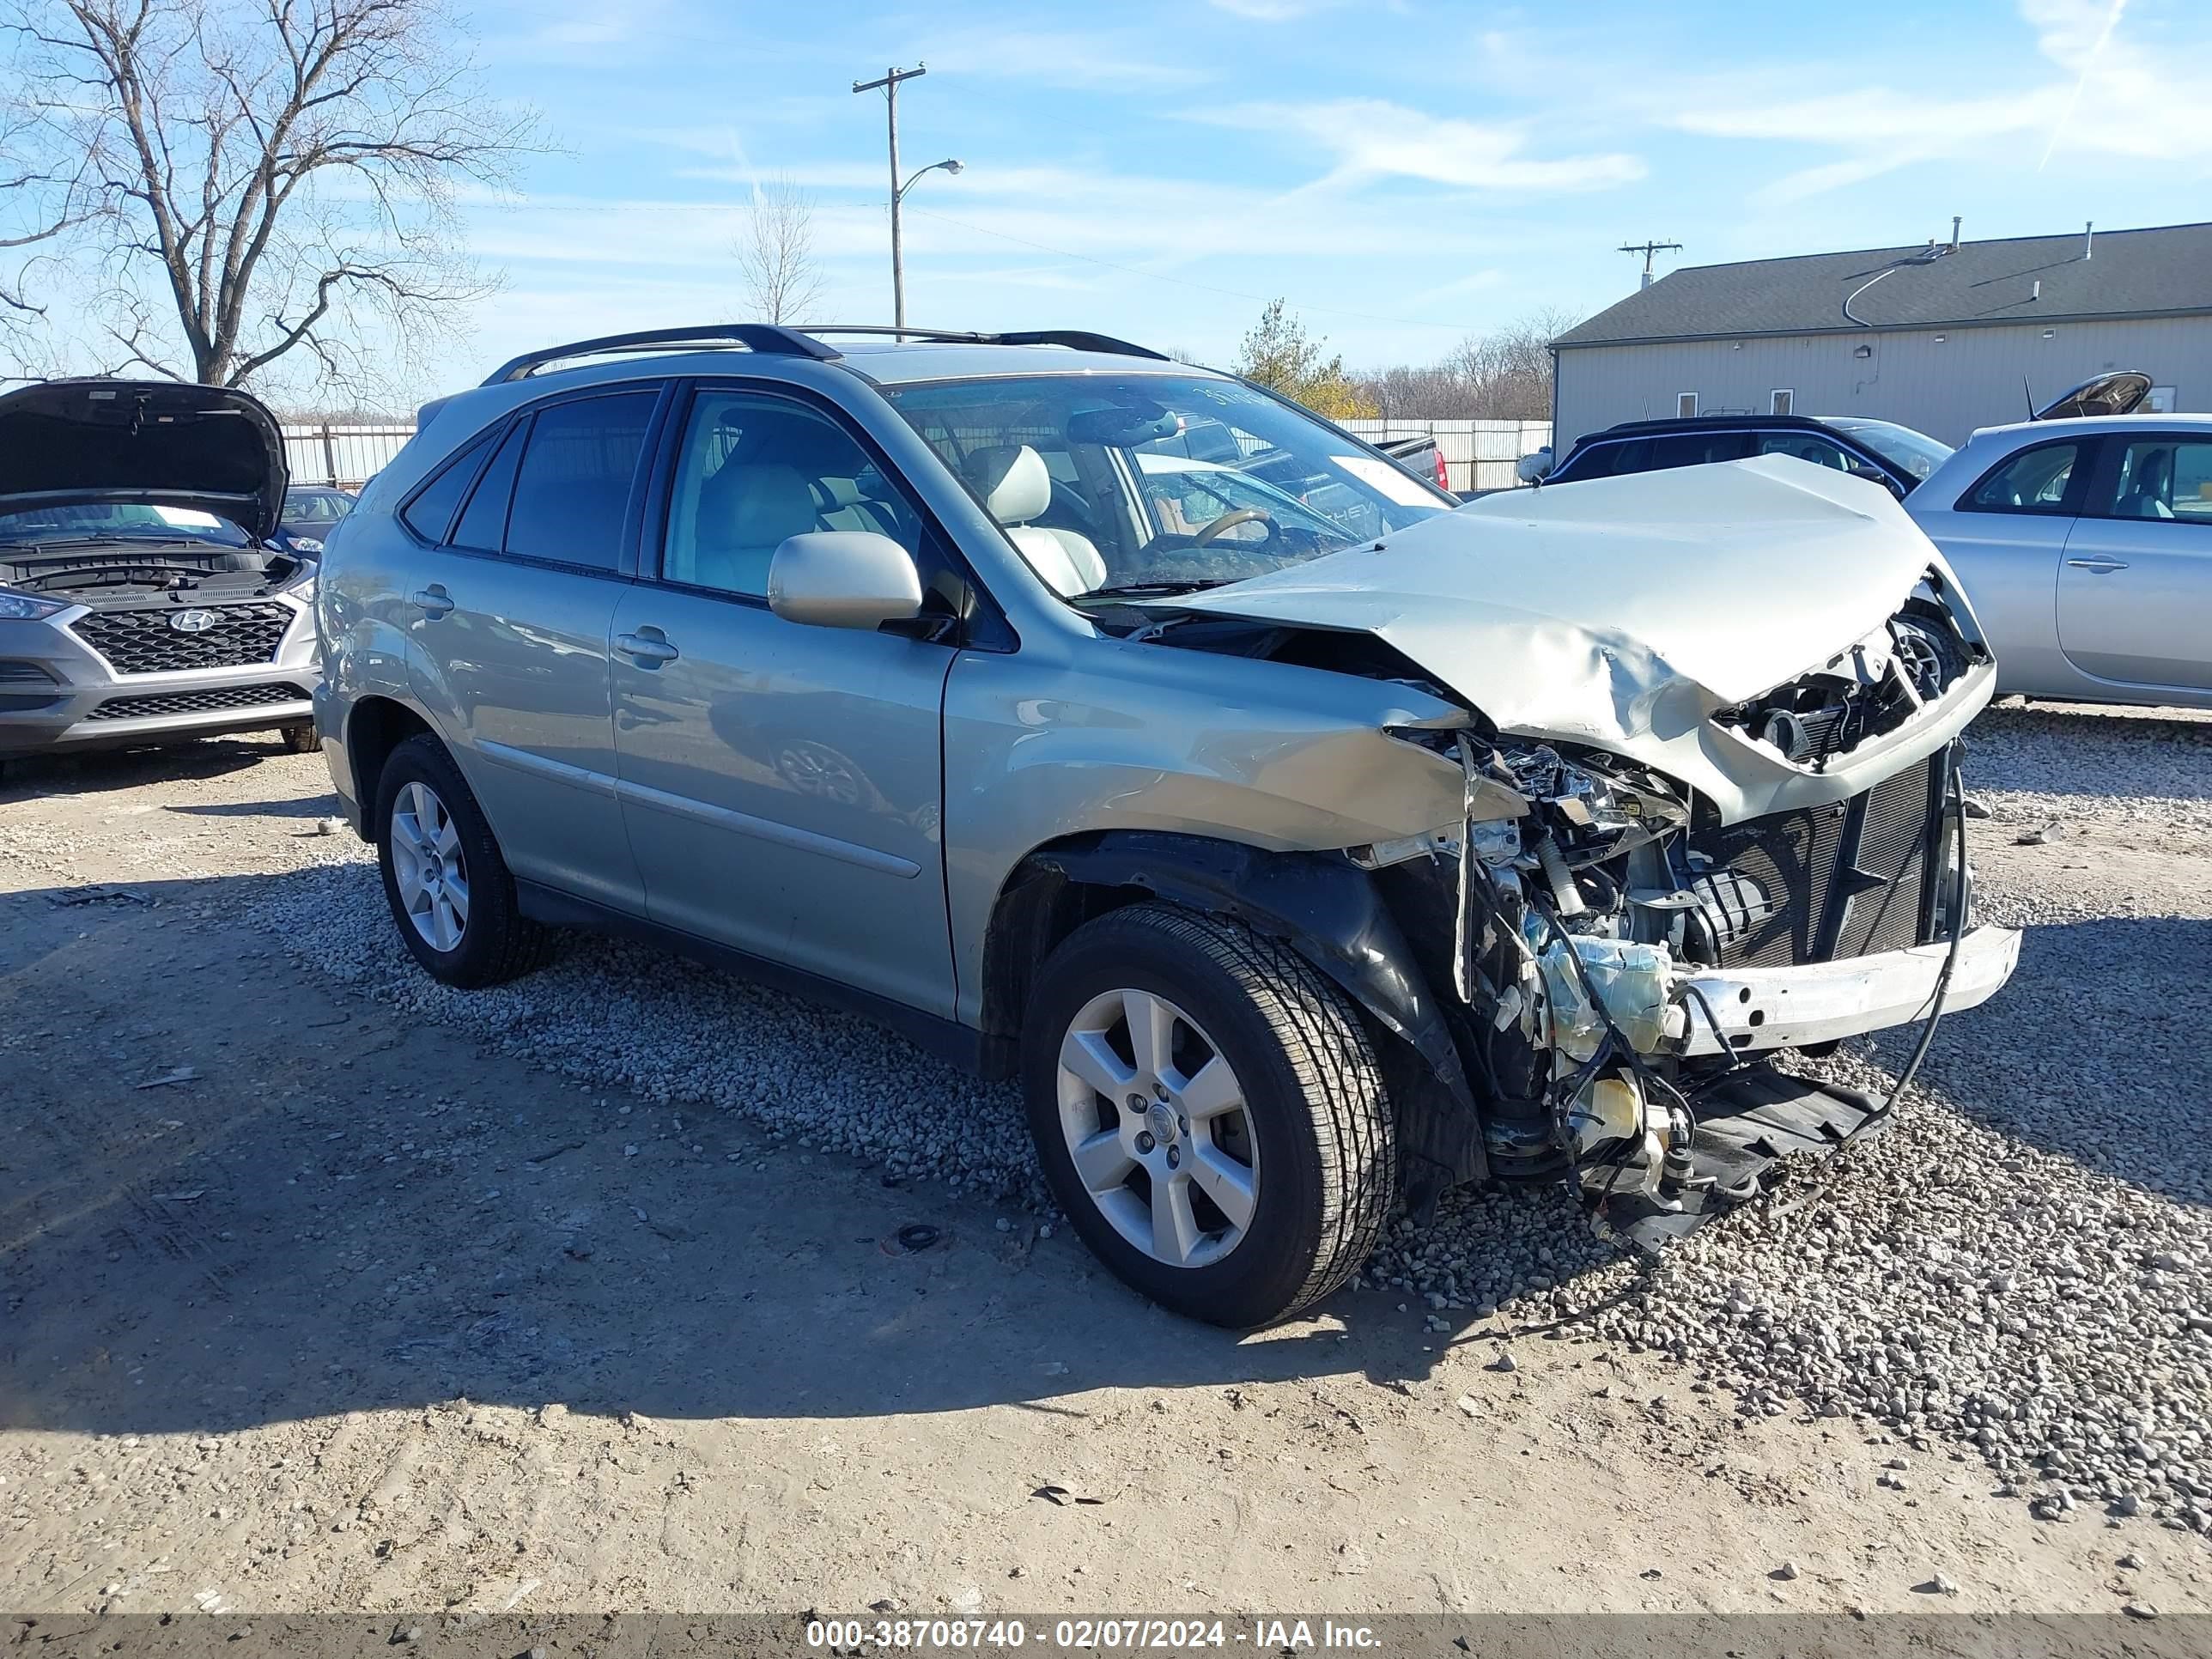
{"x": 839, "y": 492}
{"x": 1012, "y": 480}
{"x": 767, "y": 501}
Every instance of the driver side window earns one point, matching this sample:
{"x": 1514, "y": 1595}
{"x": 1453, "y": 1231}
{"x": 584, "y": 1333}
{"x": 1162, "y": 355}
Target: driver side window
{"x": 754, "y": 470}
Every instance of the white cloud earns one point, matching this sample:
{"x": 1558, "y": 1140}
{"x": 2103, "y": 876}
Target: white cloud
{"x": 2111, "y": 95}
{"x": 1370, "y": 139}
{"x": 1078, "y": 61}
{"x": 1271, "y": 11}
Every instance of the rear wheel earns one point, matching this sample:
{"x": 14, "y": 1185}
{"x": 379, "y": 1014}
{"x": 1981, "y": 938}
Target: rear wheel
{"x": 444, "y": 877}
{"x": 1210, "y": 1114}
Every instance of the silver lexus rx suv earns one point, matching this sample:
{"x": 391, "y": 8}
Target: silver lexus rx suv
{"x": 1301, "y": 844}
{"x": 143, "y": 596}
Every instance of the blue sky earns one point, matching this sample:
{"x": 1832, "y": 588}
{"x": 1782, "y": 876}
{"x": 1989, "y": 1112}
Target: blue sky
{"x": 1404, "y": 173}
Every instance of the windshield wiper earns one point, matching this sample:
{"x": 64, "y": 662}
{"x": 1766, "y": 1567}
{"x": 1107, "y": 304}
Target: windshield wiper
{"x": 1155, "y": 590}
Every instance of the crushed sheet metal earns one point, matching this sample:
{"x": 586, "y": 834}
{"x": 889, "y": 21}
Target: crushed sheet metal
{"x": 1621, "y": 612}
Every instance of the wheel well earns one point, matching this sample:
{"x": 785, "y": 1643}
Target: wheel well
{"x": 1327, "y": 910}
{"x": 1040, "y": 905}
{"x": 376, "y": 726}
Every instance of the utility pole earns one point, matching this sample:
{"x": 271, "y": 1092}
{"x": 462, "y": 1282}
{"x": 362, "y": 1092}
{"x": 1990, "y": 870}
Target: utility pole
{"x": 1647, "y": 249}
{"x": 889, "y": 84}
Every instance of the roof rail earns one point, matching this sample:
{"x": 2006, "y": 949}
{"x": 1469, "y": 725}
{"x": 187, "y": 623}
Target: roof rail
{"x": 1075, "y": 339}
{"x": 766, "y": 338}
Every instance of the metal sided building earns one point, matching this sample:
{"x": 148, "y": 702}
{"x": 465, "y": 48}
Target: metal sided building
{"x": 1944, "y": 338}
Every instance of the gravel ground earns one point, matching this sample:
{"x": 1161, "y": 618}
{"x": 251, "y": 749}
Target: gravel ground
{"x": 2019, "y": 1270}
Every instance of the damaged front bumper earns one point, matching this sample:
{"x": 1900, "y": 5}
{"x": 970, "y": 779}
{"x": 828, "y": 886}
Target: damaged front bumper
{"x": 1762, "y": 1008}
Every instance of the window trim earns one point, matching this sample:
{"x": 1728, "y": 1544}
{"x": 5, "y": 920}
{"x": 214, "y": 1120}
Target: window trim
{"x": 985, "y": 627}
{"x": 2113, "y": 447}
{"x": 1773, "y": 406}
{"x": 1689, "y": 414}
{"x": 2077, "y": 486}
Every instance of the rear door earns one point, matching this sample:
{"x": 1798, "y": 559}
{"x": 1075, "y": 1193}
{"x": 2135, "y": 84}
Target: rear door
{"x": 2135, "y": 589}
{"x": 513, "y": 626}
{"x": 783, "y": 784}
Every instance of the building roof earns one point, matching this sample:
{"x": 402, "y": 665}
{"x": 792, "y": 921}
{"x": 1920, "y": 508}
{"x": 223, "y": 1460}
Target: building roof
{"x": 2128, "y": 273}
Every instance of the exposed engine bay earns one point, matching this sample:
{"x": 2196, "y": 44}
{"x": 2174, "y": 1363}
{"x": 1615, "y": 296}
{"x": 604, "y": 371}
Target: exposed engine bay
{"x": 1594, "y": 901}
{"x": 130, "y": 572}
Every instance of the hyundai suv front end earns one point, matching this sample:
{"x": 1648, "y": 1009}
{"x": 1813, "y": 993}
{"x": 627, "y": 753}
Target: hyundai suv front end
{"x": 139, "y": 603}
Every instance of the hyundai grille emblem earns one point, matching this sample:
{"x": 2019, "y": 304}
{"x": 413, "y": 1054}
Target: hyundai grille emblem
{"x": 192, "y": 621}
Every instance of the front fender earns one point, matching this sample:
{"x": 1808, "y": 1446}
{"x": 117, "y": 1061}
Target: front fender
{"x": 1319, "y": 904}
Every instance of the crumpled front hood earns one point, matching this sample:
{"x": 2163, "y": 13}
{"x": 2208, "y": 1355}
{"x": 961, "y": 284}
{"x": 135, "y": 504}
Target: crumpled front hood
{"x": 1621, "y": 613}
{"x": 212, "y": 449}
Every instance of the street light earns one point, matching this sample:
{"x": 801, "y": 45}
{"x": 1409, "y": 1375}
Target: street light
{"x": 889, "y": 84}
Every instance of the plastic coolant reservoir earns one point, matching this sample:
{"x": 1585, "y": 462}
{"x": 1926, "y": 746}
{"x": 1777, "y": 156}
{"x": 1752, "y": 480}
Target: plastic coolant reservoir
{"x": 1630, "y": 979}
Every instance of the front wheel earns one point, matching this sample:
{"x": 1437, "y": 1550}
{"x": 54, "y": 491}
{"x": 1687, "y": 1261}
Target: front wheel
{"x": 1210, "y": 1113}
{"x": 301, "y": 739}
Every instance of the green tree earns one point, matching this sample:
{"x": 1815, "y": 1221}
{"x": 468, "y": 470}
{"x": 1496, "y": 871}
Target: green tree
{"x": 1280, "y": 355}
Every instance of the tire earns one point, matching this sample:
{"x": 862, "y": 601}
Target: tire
{"x": 493, "y": 941}
{"x": 1313, "y": 1161}
{"x": 301, "y": 739}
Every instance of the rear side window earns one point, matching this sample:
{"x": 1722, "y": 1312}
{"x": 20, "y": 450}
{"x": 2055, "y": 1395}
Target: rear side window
{"x": 432, "y": 509}
{"x": 572, "y": 486}
{"x": 1698, "y": 449}
{"x": 2038, "y": 480}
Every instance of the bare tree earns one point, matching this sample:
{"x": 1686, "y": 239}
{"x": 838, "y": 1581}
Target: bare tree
{"x": 234, "y": 181}
{"x": 776, "y": 254}
{"x": 1505, "y": 374}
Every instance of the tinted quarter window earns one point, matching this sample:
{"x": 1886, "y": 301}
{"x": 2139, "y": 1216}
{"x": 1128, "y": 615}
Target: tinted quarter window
{"x": 573, "y": 485}
{"x": 432, "y": 509}
{"x": 2034, "y": 481}
{"x": 484, "y": 521}
{"x": 2165, "y": 478}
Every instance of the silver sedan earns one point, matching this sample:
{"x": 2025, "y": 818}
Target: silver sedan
{"x": 2085, "y": 548}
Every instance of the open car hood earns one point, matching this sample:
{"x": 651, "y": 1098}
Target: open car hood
{"x": 2119, "y": 393}
{"x": 1620, "y": 613}
{"x": 68, "y": 442}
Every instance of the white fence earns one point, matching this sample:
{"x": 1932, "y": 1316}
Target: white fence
{"x": 1478, "y": 454}
{"x": 344, "y": 455}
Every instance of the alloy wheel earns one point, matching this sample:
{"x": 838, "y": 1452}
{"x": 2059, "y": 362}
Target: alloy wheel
{"x": 427, "y": 867}
{"x": 1158, "y": 1127}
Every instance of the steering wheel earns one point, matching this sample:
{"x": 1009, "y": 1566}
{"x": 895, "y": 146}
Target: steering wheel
{"x": 1230, "y": 520}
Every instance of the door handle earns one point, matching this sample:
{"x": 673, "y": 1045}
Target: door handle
{"x": 647, "y": 649}
{"x": 2102, "y": 567}
{"x": 432, "y": 601}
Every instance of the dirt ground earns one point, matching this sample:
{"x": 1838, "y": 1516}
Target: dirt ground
{"x": 303, "y": 1307}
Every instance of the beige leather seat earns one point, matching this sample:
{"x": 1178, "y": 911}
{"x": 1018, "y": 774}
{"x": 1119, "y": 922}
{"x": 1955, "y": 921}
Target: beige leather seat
{"x": 1011, "y": 482}
{"x": 746, "y": 513}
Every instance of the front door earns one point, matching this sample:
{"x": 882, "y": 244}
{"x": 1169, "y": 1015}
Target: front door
{"x": 781, "y": 783}
{"x": 2135, "y": 589}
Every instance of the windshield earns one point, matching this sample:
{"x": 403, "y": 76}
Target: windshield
{"x": 132, "y": 521}
{"x": 1900, "y": 446}
{"x": 1158, "y": 483}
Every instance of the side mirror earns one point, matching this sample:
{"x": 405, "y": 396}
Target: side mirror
{"x": 843, "y": 579}
{"x": 1536, "y": 467}
{"x": 1874, "y": 475}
